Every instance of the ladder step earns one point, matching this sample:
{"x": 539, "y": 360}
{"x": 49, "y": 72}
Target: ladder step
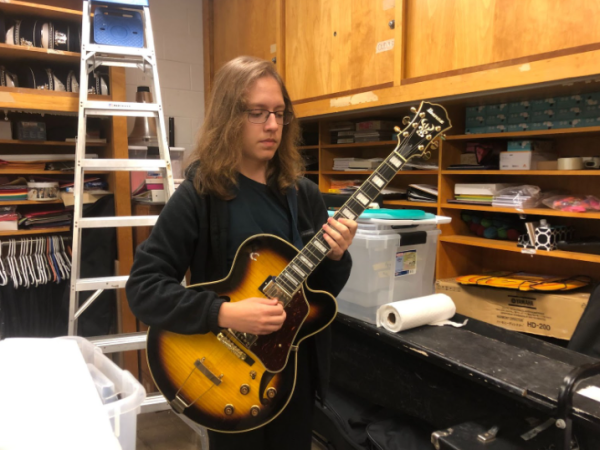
{"x": 118, "y": 61}
{"x": 124, "y": 164}
{"x": 116, "y": 50}
{"x": 154, "y": 402}
{"x": 120, "y": 342}
{"x": 93, "y": 284}
{"x": 120, "y": 221}
{"x": 96, "y": 108}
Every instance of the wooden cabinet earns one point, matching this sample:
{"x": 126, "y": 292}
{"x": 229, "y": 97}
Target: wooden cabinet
{"x": 239, "y": 27}
{"x": 338, "y": 46}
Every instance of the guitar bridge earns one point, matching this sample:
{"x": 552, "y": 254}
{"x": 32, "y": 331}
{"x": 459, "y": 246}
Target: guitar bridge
{"x": 230, "y": 345}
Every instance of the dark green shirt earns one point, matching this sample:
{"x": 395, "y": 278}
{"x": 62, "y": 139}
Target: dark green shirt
{"x": 256, "y": 209}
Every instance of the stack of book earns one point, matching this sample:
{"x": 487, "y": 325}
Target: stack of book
{"x": 356, "y": 163}
{"x": 9, "y": 218}
{"x": 422, "y": 193}
{"x": 476, "y": 193}
{"x": 151, "y": 190}
{"x": 60, "y": 217}
{"x": 374, "y": 130}
{"x": 342, "y": 132}
{"x": 13, "y": 192}
{"x": 344, "y": 186}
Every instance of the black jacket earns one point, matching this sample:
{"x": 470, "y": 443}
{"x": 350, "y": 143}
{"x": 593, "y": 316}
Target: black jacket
{"x": 191, "y": 232}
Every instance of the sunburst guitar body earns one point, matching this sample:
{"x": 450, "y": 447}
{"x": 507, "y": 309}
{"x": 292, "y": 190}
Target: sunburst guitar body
{"x": 224, "y": 382}
{"x": 234, "y": 382}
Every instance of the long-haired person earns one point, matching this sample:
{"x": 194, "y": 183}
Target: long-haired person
{"x": 245, "y": 178}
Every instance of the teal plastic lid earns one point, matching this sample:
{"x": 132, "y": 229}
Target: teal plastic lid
{"x": 394, "y": 214}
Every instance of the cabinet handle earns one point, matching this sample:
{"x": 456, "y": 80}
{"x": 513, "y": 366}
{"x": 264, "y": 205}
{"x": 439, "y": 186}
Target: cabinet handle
{"x": 392, "y": 24}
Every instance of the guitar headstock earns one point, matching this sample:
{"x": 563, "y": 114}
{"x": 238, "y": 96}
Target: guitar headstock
{"x": 429, "y": 122}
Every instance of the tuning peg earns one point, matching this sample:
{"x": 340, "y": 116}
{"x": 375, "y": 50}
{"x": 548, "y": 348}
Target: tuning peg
{"x": 438, "y": 128}
{"x": 415, "y": 125}
{"x": 443, "y": 137}
{"x": 397, "y": 129}
{"x": 405, "y": 134}
{"x": 428, "y": 137}
{"x": 413, "y": 109}
{"x": 405, "y": 120}
{"x": 422, "y": 115}
{"x": 421, "y": 147}
{"x": 434, "y": 145}
{"x": 425, "y": 156}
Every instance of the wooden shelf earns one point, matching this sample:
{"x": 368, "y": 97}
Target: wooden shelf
{"x": 570, "y": 173}
{"x": 363, "y": 144}
{"x": 409, "y": 203}
{"x": 512, "y": 247}
{"x": 308, "y": 147}
{"x": 46, "y": 172}
{"x": 29, "y": 202}
{"x": 49, "y": 143}
{"x": 525, "y": 134}
{"x": 533, "y": 211}
{"x": 15, "y": 7}
{"x": 367, "y": 172}
{"x": 21, "y": 53}
{"x": 40, "y": 100}
{"x": 28, "y": 232}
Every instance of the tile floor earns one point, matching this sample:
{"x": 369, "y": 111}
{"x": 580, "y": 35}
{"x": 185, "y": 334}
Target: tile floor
{"x": 165, "y": 431}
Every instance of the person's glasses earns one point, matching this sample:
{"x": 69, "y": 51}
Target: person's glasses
{"x": 262, "y": 115}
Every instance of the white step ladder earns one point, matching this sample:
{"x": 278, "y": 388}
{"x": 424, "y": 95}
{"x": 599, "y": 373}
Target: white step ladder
{"x": 92, "y": 57}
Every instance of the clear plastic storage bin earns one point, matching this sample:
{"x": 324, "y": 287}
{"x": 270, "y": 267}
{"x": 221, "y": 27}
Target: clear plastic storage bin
{"x": 121, "y": 394}
{"x": 392, "y": 260}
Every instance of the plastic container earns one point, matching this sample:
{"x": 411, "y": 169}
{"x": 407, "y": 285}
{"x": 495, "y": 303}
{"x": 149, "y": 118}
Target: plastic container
{"x": 177, "y": 161}
{"x": 391, "y": 262}
{"x": 42, "y": 191}
{"x": 130, "y": 393}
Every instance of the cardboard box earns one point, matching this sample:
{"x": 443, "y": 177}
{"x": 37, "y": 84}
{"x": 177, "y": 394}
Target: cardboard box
{"x": 554, "y": 314}
{"x": 523, "y": 160}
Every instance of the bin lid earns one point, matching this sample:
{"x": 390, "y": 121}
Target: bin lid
{"x": 434, "y": 220}
{"x": 385, "y": 213}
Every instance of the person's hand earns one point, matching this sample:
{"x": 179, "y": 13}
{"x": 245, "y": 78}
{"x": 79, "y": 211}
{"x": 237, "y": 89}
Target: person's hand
{"x": 254, "y": 315}
{"x": 339, "y": 236}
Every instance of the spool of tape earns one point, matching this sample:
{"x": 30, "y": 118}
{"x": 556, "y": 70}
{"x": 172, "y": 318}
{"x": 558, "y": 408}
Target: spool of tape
{"x": 591, "y": 162}
{"x": 572, "y": 163}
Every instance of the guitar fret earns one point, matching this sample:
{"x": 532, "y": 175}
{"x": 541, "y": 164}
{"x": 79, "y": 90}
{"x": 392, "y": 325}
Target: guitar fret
{"x": 386, "y": 171}
{"x": 306, "y": 261}
{"x": 287, "y": 287}
{"x": 291, "y": 278}
{"x": 297, "y": 269}
{"x": 370, "y": 189}
{"x": 395, "y": 162}
{"x": 347, "y": 213}
{"x": 319, "y": 245}
{"x": 313, "y": 257}
{"x": 378, "y": 181}
{"x": 362, "y": 198}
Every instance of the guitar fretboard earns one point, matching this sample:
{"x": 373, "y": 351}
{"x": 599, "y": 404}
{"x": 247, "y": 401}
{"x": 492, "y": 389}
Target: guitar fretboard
{"x": 298, "y": 270}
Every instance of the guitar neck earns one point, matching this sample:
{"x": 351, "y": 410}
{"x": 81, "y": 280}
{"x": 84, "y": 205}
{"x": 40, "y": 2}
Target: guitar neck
{"x": 298, "y": 270}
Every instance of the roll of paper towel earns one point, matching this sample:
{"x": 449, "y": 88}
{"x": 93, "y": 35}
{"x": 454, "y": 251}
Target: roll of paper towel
{"x": 406, "y": 314}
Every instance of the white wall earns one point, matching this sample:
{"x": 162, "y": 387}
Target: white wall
{"x": 177, "y": 27}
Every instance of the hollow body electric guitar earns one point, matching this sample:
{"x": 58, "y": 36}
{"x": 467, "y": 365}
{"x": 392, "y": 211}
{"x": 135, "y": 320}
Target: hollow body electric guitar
{"x": 235, "y": 382}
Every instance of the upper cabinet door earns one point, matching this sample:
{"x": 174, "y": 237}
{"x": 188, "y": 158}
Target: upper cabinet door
{"x": 338, "y": 46}
{"x": 243, "y": 27}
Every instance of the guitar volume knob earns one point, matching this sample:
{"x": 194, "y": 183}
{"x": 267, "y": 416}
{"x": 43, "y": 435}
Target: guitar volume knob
{"x": 245, "y": 389}
{"x": 254, "y": 411}
{"x": 271, "y": 392}
{"x": 229, "y": 410}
